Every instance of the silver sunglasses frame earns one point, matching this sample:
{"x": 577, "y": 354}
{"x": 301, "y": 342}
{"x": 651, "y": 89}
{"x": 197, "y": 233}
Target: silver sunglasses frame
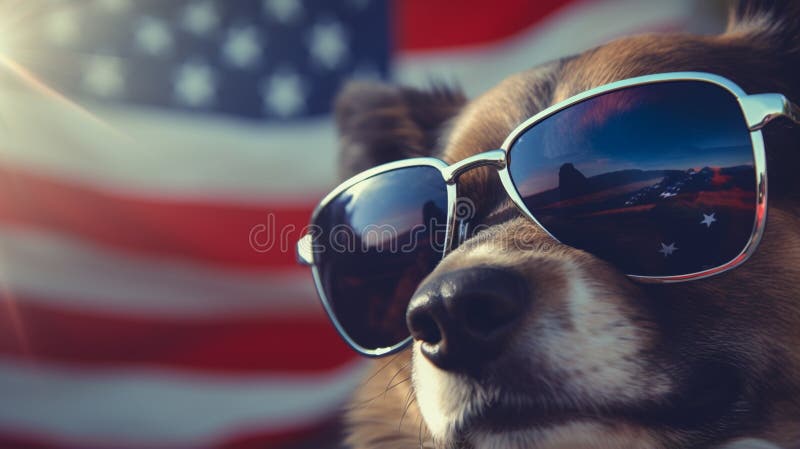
{"x": 758, "y": 111}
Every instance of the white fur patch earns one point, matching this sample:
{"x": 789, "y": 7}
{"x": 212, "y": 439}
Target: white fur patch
{"x": 443, "y": 398}
{"x": 597, "y": 356}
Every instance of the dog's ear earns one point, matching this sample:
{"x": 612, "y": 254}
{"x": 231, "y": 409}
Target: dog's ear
{"x": 380, "y": 123}
{"x": 767, "y": 17}
{"x": 768, "y": 33}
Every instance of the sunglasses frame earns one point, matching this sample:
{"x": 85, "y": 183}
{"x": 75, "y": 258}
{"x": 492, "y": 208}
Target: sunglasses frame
{"x": 757, "y": 109}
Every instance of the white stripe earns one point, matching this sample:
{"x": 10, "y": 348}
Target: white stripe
{"x": 152, "y": 153}
{"x": 69, "y": 273}
{"x": 146, "y": 408}
{"x": 573, "y": 29}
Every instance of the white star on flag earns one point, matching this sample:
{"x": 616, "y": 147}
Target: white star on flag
{"x": 62, "y": 26}
{"x": 195, "y": 84}
{"x": 153, "y": 37}
{"x": 242, "y": 48}
{"x": 667, "y": 250}
{"x": 283, "y": 11}
{"x": 115, "y": 6}
{"x": 104, "y": 76}
{"x": 284, "y": 94}
{"x": 328, "y": 44}
{"x": 200, "y": 18}
{"x": 708, "y": 219}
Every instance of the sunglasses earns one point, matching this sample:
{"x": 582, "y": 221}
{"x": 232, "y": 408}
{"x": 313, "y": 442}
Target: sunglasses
{"x": 664, "y": 176}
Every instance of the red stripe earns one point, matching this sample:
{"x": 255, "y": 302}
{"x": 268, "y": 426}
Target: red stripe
{"x": 303, "y": 343}
{"x": 444, "y": 24}
{"x": 213, "y": 232}
{"x": 20, "y": 441}
{"x": 30, "y": 441}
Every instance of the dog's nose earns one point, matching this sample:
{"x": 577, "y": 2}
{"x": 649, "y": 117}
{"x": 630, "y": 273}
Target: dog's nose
{"x": 464, "y": 318}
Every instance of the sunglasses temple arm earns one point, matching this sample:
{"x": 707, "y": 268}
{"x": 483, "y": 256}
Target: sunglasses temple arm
{"x": 793, "y": 112}
{"x": 760, "y": 109}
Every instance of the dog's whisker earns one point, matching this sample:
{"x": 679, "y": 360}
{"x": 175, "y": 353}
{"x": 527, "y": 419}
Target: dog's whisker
{"x": 408, "y": 403}
{"x": 381, "y": 394}
{"x": 379, "y": 370}
{"x": 399, "y": 370}
{"x": 419, "y": 418}
{"x": 388, "y": 384}
{"x": 400, "y": 382}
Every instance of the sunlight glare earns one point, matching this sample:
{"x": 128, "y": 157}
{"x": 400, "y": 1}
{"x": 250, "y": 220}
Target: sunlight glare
{"x": 4, "y": 40}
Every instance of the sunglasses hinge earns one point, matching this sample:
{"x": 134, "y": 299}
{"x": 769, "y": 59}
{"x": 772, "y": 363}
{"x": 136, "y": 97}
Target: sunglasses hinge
{"x": 305, "y": 253}
{"x": 760, "y": 109}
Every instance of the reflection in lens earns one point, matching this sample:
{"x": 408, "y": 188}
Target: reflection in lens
{"x": 658, "y": 179}
{"x": 381, "y": 237}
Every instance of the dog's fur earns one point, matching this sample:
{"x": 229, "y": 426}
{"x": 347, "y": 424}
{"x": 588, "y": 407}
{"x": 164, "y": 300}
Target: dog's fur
{"x": 601, "y": 361}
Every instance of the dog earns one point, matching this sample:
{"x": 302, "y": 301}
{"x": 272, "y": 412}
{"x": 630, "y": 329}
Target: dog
{"x": 600, "y": 361}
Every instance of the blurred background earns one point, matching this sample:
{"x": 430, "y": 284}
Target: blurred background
{"x": 158, "y": 161}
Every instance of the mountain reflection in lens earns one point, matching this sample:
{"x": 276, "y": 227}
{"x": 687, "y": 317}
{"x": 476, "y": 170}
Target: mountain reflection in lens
{"x": 658, "y": 179}
{"x": 381, "y": 237}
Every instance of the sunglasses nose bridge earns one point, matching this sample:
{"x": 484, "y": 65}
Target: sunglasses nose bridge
{"x": 495, "y": 158}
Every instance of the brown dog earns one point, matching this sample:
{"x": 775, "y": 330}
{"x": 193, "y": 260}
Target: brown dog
{"x": 599, "y": 360}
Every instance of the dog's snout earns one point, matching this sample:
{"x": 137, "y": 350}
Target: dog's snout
{"x": 464, "y": 318}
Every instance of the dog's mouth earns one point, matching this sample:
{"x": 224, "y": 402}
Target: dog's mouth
{"x": 708, "y": 400}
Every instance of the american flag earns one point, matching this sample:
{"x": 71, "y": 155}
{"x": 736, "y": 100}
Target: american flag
{"x": 159, "y": 159}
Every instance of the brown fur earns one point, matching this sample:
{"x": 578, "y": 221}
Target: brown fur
{"x": 740, "y": 329}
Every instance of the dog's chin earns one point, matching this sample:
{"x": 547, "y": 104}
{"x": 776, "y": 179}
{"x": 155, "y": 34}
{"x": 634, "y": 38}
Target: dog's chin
{"x": 461, "y": 412}
{"x": 511, "y": 427}
{"x": 510, "y": 424}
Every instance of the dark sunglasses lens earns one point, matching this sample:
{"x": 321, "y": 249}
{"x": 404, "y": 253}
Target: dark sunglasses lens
{"x": 658, "y": 179}
{"x": 379, "y": 238}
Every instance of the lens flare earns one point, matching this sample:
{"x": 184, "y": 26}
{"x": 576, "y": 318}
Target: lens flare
{"x": 19, "y": 52}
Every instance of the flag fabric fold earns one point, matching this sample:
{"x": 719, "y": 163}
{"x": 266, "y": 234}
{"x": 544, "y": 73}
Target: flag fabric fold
{"x": 158, "y": 161}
